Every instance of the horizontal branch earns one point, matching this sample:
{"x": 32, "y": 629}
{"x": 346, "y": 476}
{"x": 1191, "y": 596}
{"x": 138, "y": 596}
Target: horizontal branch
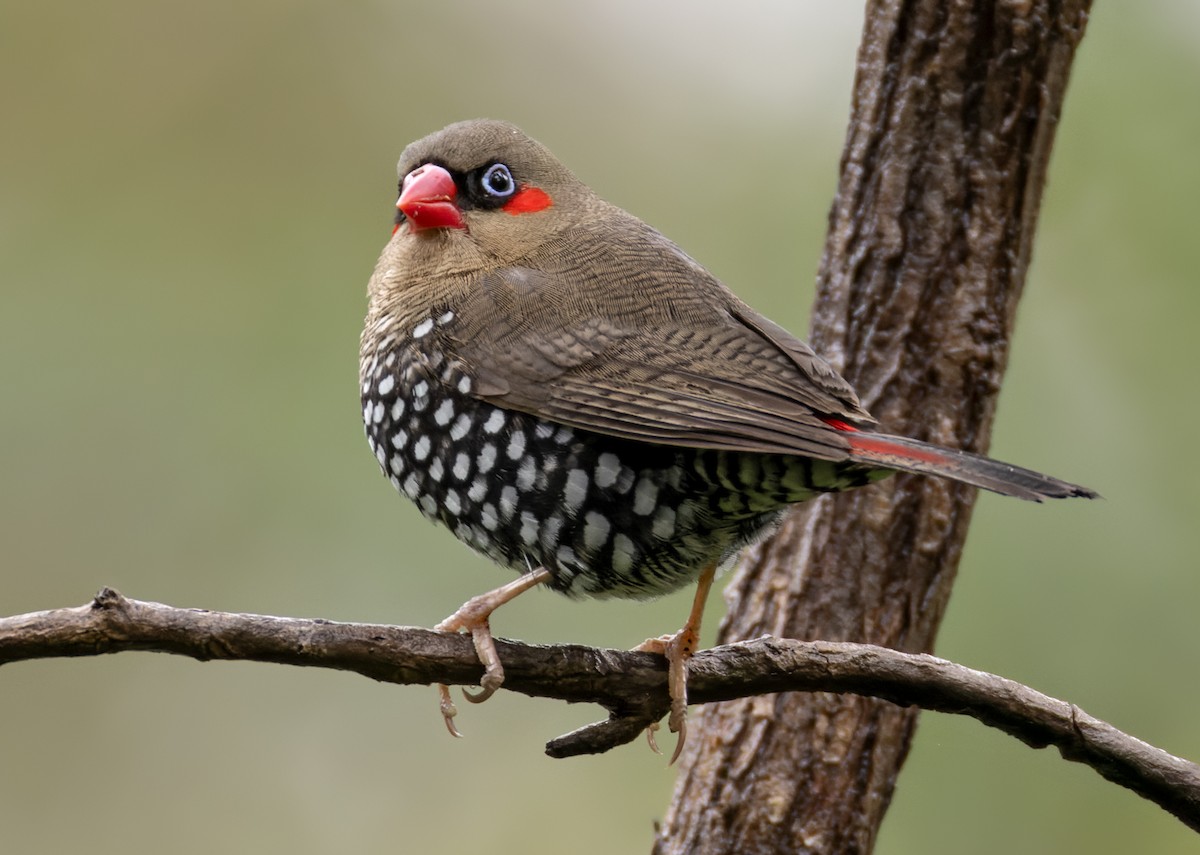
{"x": 630, "y": 685}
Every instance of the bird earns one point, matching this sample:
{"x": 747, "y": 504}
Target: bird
{"x": 578, "y": 400}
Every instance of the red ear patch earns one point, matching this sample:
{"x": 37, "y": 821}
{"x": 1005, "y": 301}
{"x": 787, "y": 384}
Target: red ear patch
{"x": 528, "y": 200}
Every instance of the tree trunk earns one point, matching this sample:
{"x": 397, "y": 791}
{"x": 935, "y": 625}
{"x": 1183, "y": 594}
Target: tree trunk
{"x": 954, "y": 112}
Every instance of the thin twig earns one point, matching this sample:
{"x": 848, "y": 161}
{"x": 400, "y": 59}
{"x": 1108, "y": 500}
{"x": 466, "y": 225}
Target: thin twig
{"x": 629, "y": 684}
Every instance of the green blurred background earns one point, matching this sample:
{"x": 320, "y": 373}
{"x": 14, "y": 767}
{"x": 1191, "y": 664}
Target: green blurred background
{"x": 192, "y": 196}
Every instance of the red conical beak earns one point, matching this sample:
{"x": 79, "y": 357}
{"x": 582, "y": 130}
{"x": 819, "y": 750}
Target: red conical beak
{"x": 427, "y": 199}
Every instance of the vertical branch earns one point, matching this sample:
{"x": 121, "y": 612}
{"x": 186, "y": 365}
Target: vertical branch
{"x": 955, "y": 106}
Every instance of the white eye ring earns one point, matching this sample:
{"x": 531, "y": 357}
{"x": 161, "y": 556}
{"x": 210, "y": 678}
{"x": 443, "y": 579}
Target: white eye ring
{"x": 498, "y": 182}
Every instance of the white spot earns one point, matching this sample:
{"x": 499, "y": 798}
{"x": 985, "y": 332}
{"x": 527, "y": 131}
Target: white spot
{"x": 452, "y": 503}
{"x": 564, "y": 435}
{"x": 397, "y": 409}
{"x": 444, "y": 412}
{"x": 462, "y": 466}
{"x": 428, "y": 505}
{"x": 460, "y": 428}
{"x": 543, "y": 430}
{"x": 377, "y": 413}
{"x": 623, "y": 553}
{"x": 422, "y": 329}
{"x": 566, "y": 555}
{"x": 446, "y": 318}
{"x": 516, "y": 445}
{"x": 645, "y": 496}
{"x": 575, "y": 490}
{"x": 550, "y": 529}
{"x": 596, "y": 528}
{"x": 608, "y": 467}
{"x": 437, "y": 469}
{"x": 397, "y": 464}
{"x": 464, "y": 384}
{"x": 625, "y": 480}
{"x": 421, "y": 389}
{"x": 508, "y": 501}
{"x": 390, "y": 361}
{"x": 387, "y": 384}
{"x": 675, "y": 477}
{"x": 495, "y": 422}
{"x": 478, "y": 490}
{"x": 412, "y": 486}
{"x": 526, "y": 474}
{"x": 487, "y": 458}
{"x": 487, "y": 516}
{"x": 664, "y": 522}
{"x": 400, "y": 438}
{"x": 577, "y": 586}
{"x": 381, "y": 455}
{"x": 395, "y": 482}
{"x": 529, "y": 528}
{"x": 422, "y": 448}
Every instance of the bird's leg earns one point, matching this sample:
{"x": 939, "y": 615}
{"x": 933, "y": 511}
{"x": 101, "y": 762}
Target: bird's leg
{"x": 678, "y": 649}
{"x": 473, "y": 616}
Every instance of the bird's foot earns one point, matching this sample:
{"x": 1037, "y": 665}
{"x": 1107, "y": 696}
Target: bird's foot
{"x": 678, "y": 649}
{"x": 473, "y": 616}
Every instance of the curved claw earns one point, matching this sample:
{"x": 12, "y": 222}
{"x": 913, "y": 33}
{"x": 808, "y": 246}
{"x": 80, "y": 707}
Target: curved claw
{"x": 651, "y": 729}
{"x": 493, "y": 674}
{"x": 449, "y": 711}
{"x": 680, "y": 740}
{"x": 482, "y": 695}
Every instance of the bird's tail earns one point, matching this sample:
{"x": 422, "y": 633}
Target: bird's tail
{"x": 910, "y": 455}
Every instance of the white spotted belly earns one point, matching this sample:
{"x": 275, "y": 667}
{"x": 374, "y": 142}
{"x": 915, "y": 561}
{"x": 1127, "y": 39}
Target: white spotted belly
{"x": 606, "y": 516}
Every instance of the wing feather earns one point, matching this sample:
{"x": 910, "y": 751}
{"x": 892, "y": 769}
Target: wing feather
{"x": 657, "y": 367}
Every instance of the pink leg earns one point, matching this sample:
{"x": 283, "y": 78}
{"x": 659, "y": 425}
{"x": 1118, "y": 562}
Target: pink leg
{"x": 473, "y": 616}
{"x": 678, "y": 649}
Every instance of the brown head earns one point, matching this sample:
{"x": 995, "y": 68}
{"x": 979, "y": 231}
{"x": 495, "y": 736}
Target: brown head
{"x": 476, "y": 196}
{"x": 489, "y": 191}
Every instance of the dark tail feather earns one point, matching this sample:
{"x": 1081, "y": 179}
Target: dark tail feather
{"x": 910, "y": 455}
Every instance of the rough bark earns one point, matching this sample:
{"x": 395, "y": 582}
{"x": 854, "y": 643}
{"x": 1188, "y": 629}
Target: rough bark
{"x": 954, "y": 111}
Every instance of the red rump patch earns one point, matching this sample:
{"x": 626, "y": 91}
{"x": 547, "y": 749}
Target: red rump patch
{"x": 528, "y": 200}
{"x": 881, "y": 446}
{"x": 839, "y": 425}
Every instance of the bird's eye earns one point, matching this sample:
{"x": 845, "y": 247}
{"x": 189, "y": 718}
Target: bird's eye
{"x": 497, "y": 181}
